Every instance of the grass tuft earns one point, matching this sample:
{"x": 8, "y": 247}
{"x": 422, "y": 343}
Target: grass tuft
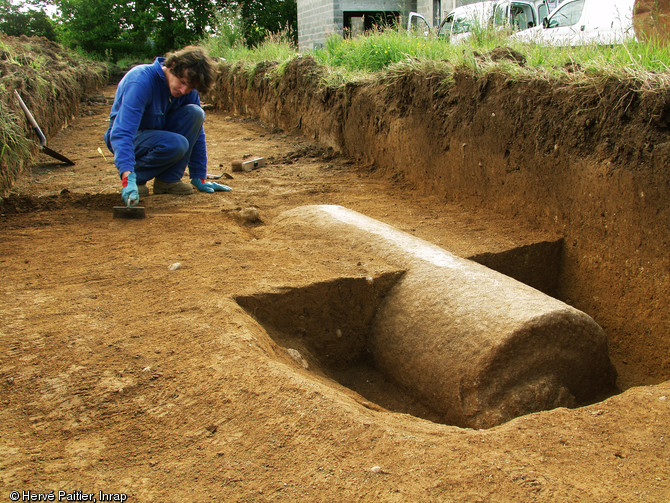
{"x": 16, "y": 148}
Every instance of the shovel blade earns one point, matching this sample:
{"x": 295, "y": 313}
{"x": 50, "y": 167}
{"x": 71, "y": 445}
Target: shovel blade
{"x": 56, "y": 155}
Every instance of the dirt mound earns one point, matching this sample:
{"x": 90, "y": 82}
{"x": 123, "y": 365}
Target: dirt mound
{"x": 506, "y": 54}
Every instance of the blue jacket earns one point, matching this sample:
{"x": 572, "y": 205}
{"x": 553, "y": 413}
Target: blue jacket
{"x": 142, "y": 101}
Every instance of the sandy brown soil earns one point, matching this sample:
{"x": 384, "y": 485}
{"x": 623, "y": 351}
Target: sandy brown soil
{"x": 120, "y": 375}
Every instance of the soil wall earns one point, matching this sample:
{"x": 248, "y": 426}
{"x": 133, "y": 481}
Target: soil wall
{"x": 587, "y": 158}
{"x": 52, "y": 82}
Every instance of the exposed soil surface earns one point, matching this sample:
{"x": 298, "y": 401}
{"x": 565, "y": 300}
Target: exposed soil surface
{"x": 123, "y": 372}
{"x": 121, "y": 375}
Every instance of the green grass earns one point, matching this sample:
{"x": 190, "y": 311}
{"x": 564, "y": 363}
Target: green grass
{"x": 377, "y": 51}
{"x": 271, "y": 50}
{"x": 380, "y": 50}
{"x": 226, "y": 43}
{"x": 15, "y": 150}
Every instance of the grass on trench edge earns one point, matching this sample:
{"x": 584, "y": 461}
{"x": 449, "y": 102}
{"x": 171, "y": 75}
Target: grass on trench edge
{"x": 364, "y": 57}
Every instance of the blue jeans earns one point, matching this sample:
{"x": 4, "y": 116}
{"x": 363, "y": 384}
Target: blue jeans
{"x": 164, "y": 154}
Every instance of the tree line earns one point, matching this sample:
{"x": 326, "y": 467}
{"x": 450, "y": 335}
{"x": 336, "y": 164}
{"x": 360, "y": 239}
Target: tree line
{"x": 108, "y": 29}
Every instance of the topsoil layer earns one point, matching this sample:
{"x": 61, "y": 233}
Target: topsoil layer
{"x": 120, "y": 373}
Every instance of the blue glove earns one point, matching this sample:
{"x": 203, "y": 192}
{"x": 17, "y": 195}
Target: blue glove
{"x": 204, "y": 186}
{"x": 129, "y": 193}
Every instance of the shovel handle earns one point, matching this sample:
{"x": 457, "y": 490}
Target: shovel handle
{"x": 31, "y": 119}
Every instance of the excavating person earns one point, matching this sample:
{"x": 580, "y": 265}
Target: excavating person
{"x": 156, "y": 126}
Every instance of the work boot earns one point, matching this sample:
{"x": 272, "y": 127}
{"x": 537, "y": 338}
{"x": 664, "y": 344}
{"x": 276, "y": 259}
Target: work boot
{"x": 179, "y": 188}
{"x": 142, "y": 190}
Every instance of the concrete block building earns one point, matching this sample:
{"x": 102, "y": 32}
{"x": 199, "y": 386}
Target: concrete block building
{"x": 318, "y": 19}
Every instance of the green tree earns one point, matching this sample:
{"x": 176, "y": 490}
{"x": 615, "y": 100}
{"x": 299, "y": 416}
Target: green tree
{"x": 102, "y": 27}
{"x": 140, "y": 27}
{"x": 262, "y": 17}
{"x": 146, "y": 28}
{"x": 179, "y": 23}
{"x": 19, "y": 20}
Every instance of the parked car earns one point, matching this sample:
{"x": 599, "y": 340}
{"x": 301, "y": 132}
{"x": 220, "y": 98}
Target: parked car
{"x": 583, "y": 22}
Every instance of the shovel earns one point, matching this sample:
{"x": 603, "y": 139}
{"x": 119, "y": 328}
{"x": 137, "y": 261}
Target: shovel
{"x": 43, "y": 140}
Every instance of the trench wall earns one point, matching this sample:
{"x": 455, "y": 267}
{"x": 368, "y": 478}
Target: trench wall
{"x": 585, "y": 157}
{"x": 52, "y": 82}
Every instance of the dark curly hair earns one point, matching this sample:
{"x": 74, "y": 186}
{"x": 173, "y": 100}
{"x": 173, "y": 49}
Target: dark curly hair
{"x": 194, "y": 65}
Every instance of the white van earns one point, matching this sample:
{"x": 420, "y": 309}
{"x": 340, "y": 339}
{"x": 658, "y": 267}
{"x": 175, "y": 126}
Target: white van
{"x": 583, "y": 22}
{"x": 416, "y": 23}
{"x": 459, "y": 24}
{"x": 520, "y": 15}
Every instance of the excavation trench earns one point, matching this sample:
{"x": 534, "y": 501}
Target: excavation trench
{"x": 441, "y": 337}
{"x": 90, "y": 383}
{"x": 579, "y": 157}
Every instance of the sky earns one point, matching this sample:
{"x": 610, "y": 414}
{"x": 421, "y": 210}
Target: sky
{"x": 51, "y": 10}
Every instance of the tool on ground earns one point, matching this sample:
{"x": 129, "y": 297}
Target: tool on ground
{"x": 249, "y": 164}
{"x": 40, "y": 135}
{"x": 216, "y": 177}
{"x": 130, "y": 196}
{"x": 129, "y": 212}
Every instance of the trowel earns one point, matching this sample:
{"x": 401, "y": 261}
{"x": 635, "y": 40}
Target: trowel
{"x": 129, "y": 212}
{"x": 40, "y": 135}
